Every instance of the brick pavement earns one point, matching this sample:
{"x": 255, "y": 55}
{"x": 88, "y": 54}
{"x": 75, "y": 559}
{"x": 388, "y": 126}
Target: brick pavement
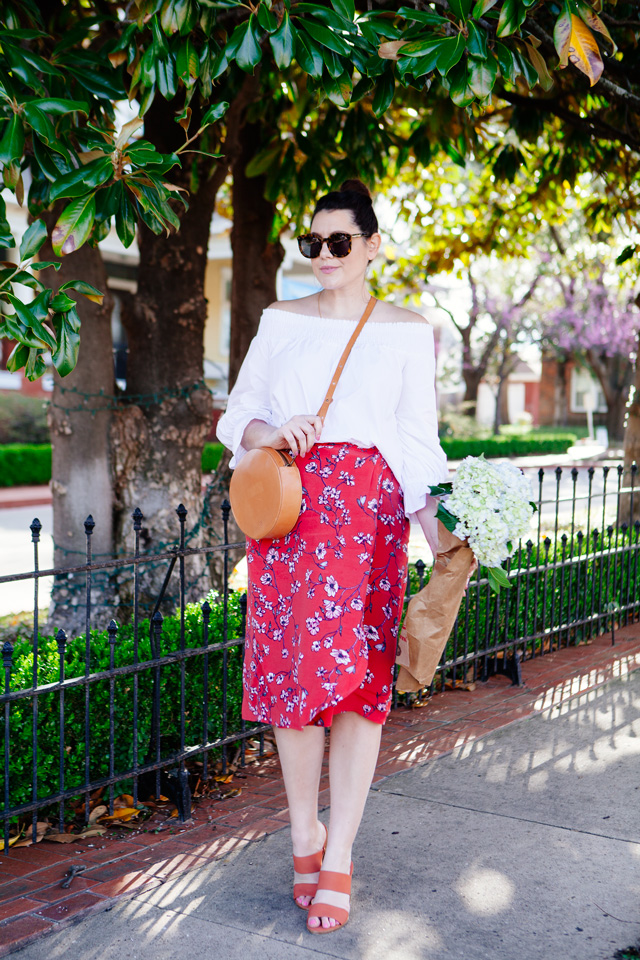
{"x": 32, "y": 902}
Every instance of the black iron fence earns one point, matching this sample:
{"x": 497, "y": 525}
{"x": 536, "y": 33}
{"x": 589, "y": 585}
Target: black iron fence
{"x": 135, "y": 706}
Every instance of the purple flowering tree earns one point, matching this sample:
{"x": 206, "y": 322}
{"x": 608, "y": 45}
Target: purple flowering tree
{"x": 598, "y": 324}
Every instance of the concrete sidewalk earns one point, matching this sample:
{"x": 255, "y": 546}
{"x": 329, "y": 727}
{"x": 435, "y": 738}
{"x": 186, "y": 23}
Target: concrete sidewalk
{"x": 521, "y": 844}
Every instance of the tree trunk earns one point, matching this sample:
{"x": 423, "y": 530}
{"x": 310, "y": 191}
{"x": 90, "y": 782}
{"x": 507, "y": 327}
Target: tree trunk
{"x": 615, "y": 375}
{"x": 630, "y": 511}
{"x": 253, "y": 287}
{"x": 158, "y": 436}
{"x": 255, "y": 260}
{"x": 79, "y": 417}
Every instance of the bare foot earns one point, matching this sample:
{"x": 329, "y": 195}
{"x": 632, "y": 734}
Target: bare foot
{"x": 330, "y": 897}
{"x": 303, "y": 849}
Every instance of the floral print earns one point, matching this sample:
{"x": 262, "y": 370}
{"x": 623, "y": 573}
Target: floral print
{"x": 325, "y": 601}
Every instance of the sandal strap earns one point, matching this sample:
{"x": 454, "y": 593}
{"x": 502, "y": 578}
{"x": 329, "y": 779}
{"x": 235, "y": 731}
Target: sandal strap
{"x": 337, "y": 882}
{"x": 309, "y": 864}
{"x": 339, "y": 914}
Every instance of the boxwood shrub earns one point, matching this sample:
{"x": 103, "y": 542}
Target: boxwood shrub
{"x": 21, "y": 715}
{"x": 30, "y": 464}
{"x": 25, "y": 464}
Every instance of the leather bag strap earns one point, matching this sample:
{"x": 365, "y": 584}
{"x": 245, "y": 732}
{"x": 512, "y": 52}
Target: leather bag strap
{"x": 322, "y": 412}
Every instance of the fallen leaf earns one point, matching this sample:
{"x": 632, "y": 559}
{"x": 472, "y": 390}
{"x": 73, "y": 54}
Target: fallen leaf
{"x": 97, "y": 813}
{"x": 127, "y": 813}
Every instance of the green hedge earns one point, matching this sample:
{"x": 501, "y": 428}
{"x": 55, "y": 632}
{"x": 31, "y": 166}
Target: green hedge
{"x": 21, "y": 717}
{"x": 211, "y": 456}
{"x": 507, "y": 446}
{"x": 30, "y": 464}
{"x": 25, "y": 464}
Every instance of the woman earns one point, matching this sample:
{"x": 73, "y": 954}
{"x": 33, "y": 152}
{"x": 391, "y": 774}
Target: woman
{"x": 324, "y": 602}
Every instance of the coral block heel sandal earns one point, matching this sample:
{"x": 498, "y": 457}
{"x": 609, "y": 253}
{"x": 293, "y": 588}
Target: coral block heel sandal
{"x": 308, "y": 867}
{"x": 336, "y": 883}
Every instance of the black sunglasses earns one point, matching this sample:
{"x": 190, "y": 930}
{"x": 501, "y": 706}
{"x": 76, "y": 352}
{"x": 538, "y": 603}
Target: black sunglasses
{"x": 338, "y": 244}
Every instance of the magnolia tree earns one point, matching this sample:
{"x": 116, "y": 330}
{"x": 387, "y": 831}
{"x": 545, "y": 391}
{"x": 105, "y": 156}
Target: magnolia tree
{"x": 287, "y": 97}
{"x": 599, "y": 323}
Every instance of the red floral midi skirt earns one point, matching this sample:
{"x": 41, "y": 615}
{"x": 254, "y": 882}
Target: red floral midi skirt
{"x": 325, "y": 602}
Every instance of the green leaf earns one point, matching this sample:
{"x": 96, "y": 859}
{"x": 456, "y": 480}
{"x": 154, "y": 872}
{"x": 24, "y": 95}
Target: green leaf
{"x": 60, "y": 107}
{"x": 65, "y": 356}
{"x": 482, "y": 76}
{"x": 17, "y": 358}
{"x": 309, "y": 56}
{"x": 385, "y": 88}
{"x": 160, "y": 45}
{"x": 481, "y": 7}
{"x": 167, "y": 79}
{"x": 214, "y": 113}
{"x": 497, "y": 579}
{"x": 40, "y": 123}
{"x": 283, "y": 43}
{"x": 446, "y": 518}
{"x": 86, "y": 289}
{"x": 126, "y": 220}
{"x": 188, "y": 62}
{"x": 422, "y": 16}
{"x": 34, "y": 236}
{"x": 451, "y": 50}
{"x": 40, "y": 335}
{"x": 12, "y": 143}
{"x": 326, "y": 37}
{"x": 346, "y": 8}
{"x": 460, "y": 8}
{"x": 61, "y": 302}
{"x": 264, "y": 160}
{"x": 82, "y": 180}
{"x": 35, "y": 366}
{"x": 45, "y": 264}
{"x": 459, "y": 87}
{"x": 507, "y": 61}
{"x": 245, "y": 39}
{"x": 512, "y": 16}
{"x": 74, "y": 226}
{"x": 338, "y": 89}
{"x": 626, "y": 254}
{"x": 477, "y": 45}
{"x": 266, "y": 19}
{"x": 430, "y": 48}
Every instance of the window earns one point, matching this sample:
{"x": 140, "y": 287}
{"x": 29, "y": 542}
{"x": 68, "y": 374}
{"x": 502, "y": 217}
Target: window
{"x": 584, "y": 385}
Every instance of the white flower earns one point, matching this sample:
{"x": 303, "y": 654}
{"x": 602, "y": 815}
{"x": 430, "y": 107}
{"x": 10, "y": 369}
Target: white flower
{"x": 341, "y": 656}
{"x": 331, "y": 609}
{"x": 331, "y": 586}
{"x": 491, "y": 503}
{"x": 313, "y": 625}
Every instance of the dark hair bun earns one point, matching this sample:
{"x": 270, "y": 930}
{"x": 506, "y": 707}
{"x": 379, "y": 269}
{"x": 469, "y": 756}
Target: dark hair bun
{"x": 356, "y": 186}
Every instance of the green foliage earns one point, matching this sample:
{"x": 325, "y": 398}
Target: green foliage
{"x": 24, "y": 464}
{"x": 74, "y": 699}
{"x": 23, "y": 419}
{"x": 338, "y": 91}
{"x": 211, "y": 456}
{"x": 507, "y": 446}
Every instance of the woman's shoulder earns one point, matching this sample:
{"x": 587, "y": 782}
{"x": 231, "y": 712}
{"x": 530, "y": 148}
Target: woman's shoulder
{"x": 300, "y": 306}
{"x": 390, "y": 313}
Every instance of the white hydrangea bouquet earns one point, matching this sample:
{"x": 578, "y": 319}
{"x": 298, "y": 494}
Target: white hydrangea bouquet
{"x": 489, "y": 505}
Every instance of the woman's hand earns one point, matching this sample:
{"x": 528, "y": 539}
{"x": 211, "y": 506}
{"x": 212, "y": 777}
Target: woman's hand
{"x": 298, "y": 434}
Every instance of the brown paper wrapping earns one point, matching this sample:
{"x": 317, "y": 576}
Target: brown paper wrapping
{"x": 432, "y": 612}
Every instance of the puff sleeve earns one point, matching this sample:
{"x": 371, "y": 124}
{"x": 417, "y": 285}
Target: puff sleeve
{"x": 249, "y": 399}
{"x": 423, "y": 460}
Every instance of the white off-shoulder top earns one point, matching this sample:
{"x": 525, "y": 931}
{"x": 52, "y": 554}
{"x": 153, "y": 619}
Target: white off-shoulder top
{"x": 384, "y": 398}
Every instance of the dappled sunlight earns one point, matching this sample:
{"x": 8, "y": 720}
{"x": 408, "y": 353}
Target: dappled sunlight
{"x": 420, "y": 939}
{"x": 485, "y": 892}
